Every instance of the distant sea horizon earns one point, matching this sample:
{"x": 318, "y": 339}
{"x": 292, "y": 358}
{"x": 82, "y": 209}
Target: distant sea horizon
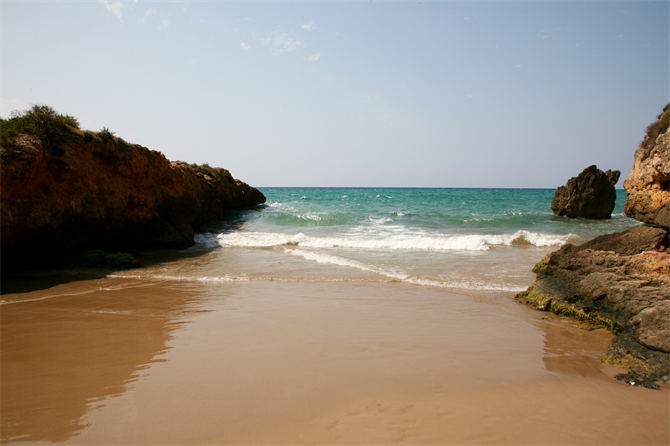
{"x": 409, "y": 187}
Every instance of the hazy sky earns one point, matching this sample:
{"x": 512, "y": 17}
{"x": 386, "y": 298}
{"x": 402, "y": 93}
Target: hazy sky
{"x": 434, "y": 94}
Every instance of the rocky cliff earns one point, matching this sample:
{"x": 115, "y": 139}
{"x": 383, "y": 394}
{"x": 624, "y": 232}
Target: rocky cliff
{"x": 618, "y": 281}
{"x": 621, "y": 281}
{"x": 83, "y": 190}
{"x": 647, "y": 185}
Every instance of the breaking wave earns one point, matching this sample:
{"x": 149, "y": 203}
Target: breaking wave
{"x": 471, "y": 242}
{"x": 401, "y": 276}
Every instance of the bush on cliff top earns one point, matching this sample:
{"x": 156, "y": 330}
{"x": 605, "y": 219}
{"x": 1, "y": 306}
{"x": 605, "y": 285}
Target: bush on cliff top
{"x": 41, "y": 121}
{"x": 203, "y": 168}
{"x": 658, "y": 128}
{"x": 50, "y": 127}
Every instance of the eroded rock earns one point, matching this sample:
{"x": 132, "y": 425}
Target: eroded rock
{"x": 647, "y": 184}
{"x": 97, "y": 191}
{"x": 619, "y": 285}
{"x": 591, "y": 194}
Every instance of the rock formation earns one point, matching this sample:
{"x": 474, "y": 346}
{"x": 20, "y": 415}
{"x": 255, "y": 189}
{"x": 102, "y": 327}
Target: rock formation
{"x": 621, "y": 281}
{"x": 647, "y": 185}
{"x": 88, "y": 190}
{"x": 591, "y": 194}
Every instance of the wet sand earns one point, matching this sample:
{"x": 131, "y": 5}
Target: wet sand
{"x": 124, "y": 361}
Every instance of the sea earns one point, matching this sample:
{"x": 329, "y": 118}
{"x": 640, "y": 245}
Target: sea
{"x": 471, "y": 241}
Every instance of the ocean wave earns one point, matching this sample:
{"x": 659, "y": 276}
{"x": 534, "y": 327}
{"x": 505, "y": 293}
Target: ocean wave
{"x": 341, "y": 261}
{"x": 396, "y": 241}
{"x": 401, "y": 276}
{"x": 169, "y": 278}
{"x": 312, "y": 218}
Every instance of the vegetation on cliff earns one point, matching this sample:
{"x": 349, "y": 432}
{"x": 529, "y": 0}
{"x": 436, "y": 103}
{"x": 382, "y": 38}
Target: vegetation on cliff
{"x": 657, "y": 128}
{"x": 69, "y": 190}
{"x": 43, "y": 122}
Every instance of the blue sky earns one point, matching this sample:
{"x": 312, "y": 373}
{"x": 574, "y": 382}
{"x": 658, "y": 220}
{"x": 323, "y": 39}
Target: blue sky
{"x": 397, "y": 94}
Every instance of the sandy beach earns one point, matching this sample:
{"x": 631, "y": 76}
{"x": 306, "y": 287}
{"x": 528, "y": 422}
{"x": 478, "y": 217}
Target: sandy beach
{"x": 121, "y": 361}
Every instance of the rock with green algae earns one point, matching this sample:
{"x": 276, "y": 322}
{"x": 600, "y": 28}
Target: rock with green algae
{"x": 620, "y": 282}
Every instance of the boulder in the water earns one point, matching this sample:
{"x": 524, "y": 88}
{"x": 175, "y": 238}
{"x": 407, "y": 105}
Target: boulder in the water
{"x": 591, "y": 194}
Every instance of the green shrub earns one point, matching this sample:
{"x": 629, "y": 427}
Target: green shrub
{"x": 658, "y": 128}
{"x": 42, "y": 121}
{"x": 43, "y": 116}
{"x": 203, "y": 168}
{"x": 106, "y": 135}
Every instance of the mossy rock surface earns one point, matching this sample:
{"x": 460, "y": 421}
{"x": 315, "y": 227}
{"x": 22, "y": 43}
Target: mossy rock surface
{"x": 544, "y": 303}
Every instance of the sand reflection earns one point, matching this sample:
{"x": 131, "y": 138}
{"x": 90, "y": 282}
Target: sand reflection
{"x": 65, "y": 348}
{"x": 571, "y": 349}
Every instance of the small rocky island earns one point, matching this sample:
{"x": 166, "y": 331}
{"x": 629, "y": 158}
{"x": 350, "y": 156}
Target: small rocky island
{"x": 67, "y": 190}
{"x": 621, "y": 281}
{"x": 590, "y": 194}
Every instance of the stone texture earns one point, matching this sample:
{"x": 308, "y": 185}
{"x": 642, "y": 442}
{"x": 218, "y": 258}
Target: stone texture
{"x": 611, "y": 278}
{"x": 622, "y": 277}
{"x": 647, "y": 184}
{"x": 591, "y": 194}
{"x": 630, "y": 242}
{"x": 654, "y": 326}
{"x": 97, "y": 191}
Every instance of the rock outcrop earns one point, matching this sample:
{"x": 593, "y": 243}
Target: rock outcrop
{"x": 93, "y": 190}
{"x": 591, "y": 194}
{"x": 620, "y": 281}
{"x": 647, "y": 185}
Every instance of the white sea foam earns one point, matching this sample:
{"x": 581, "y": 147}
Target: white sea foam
{"x": 205, "y": 241}
{"x": 400, "y": 275}
{"x": 341, "y": 261}
{"x": 315, "y": 216}
{"x": 473, "y": 286}
{"x": 169, "y": 278}
{"x": 393, "y": 240}
{"x": 379, "y": 220}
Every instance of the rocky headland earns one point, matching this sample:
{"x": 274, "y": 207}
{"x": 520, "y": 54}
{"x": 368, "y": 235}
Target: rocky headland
{"x": 65, "y": 190}
{"x": 621, "y": 281}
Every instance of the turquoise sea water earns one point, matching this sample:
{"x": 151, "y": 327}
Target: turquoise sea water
{"x": 470, "y": 240}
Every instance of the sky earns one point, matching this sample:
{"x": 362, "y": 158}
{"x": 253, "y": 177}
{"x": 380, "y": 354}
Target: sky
{"x": 352, "y": 94}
